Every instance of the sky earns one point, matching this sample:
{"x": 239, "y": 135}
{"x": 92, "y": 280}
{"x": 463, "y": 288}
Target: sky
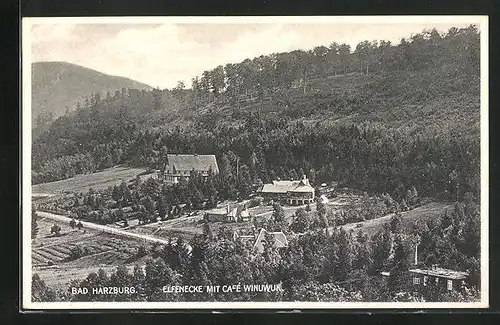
{"x": 161, "y": 54}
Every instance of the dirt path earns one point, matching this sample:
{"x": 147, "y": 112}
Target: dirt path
{"x": 103, "y": 228}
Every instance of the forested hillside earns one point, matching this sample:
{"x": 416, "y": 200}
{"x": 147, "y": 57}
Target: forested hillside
{"x": 379, "y": 117}
{"x": 59, "y": 86}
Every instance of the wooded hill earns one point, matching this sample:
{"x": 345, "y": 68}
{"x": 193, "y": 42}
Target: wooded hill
{"x": 380, "y": 118}
{"x": 58, "y": 86}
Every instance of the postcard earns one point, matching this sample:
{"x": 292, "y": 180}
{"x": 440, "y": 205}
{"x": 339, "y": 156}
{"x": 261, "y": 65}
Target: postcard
{"x": 255, "y": 162}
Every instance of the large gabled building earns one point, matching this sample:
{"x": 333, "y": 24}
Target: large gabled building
{"x": 183, "y": 165}
{"x": 289, "y": 192}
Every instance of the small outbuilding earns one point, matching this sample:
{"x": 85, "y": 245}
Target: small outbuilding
{"x": 238, "y": 213}
{"x": 437, "y": 276}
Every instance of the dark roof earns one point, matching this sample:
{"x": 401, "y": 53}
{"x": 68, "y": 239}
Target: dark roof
{"x": 190, "y": 162}
{"x": 440, "y": 272}
{"x": 280, "y": 240}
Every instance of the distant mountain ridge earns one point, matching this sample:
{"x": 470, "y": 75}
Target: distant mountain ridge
{"x": 60, "y": 85}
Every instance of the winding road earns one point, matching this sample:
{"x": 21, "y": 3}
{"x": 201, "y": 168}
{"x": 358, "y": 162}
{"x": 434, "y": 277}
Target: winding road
{"x": 103, "y": 228}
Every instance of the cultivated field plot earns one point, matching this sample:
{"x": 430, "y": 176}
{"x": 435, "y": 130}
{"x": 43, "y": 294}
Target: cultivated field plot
{"x": 421, "y": 214}
{"x": 67, "y": 234}
{"x": 100, "y": 248}
{"x": 50, "y": 255}
{"x": 106, "y": 252}
{"x": 82, "y": 183}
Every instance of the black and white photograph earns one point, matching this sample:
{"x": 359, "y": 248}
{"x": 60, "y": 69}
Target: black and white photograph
{"x": 255, "y": 162}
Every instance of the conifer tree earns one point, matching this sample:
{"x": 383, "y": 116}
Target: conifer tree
{"x": 398, "y": 279}
{"x": 278, "y": 217}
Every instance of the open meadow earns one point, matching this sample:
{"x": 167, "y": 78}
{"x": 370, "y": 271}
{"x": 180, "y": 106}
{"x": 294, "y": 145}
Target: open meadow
{"x": 433, "y": 210}
{"x": 82, "y": 183}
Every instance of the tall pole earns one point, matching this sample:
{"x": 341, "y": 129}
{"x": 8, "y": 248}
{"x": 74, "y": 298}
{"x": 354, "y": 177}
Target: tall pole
{"x": 416, "y": 254}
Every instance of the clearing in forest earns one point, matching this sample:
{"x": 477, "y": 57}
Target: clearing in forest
{"x": 420, "y": 214}
{"x": 82, "y": 183}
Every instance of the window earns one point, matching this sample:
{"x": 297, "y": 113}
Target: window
{"x": 450, "y": 285}
{"x": 425, "y": 280}
{"x": 416, "y": 280}
{"x": 437, "y": 281}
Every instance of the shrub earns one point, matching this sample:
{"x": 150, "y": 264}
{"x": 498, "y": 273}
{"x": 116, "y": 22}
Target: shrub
{"x": 76, "y": 252}
{"x": 55, "y": 229}
{"x": 254, "y": 202}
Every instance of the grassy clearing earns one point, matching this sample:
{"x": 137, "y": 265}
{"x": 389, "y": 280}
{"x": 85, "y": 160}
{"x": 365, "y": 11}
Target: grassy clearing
{"x": 67, "y": 235}
{"x": 343, "y": 200}
{"x": 185, "y": 227}
{"x": 174, "y": 233}
{"x": 421, "y": 214}
{"x": 260, "y": 210}
{"x": 82, "y": 183}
